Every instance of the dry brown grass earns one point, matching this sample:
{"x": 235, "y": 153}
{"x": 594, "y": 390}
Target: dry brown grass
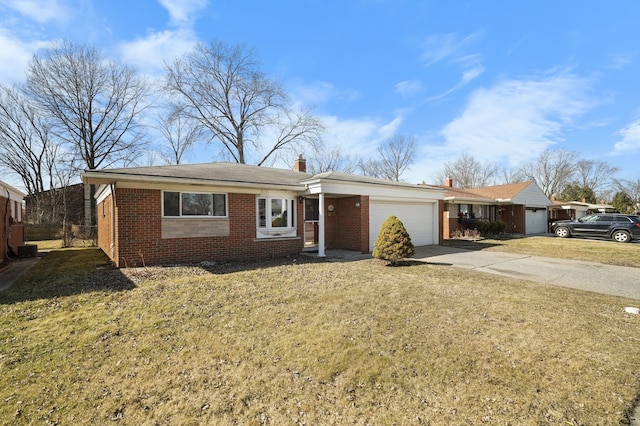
{"x": 600, "y": 251}
{"x": 300, "y": 342}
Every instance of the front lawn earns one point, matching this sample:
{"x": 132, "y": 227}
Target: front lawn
{"x": 304, "y": 342}
{"x": 600, "y": 251}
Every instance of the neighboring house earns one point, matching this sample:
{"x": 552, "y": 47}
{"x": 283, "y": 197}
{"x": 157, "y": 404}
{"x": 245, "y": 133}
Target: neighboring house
{"x": 229, "y": 211}
{"x": 523, "y": 206}
{"x": 52, "y": 205}
{"x": 570, "y": 210}
{"x": 11, "y": 217}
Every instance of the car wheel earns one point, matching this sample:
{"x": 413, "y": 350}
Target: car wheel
{"x": 621, "y": 236}
{"x": 562, "y": 232}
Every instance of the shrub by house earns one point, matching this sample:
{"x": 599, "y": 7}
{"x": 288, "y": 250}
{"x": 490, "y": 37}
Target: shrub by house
{"x": 393, "y": 243}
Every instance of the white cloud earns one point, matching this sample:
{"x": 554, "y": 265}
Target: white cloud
{"x": 471, "y": 74}
{"x": 447, "y": 46}
{"x": 14, "y": 56}
{"x": 359, "y": 136}
{"x": 408, "y": 88}
{"x": 630, "y": 138}
{"x": 320, "y": 92}
{"x": 621, "y": 61}
{"x": 517, "y": 119}
{"x": 182, "y": 11}
{"x": 467, "y": 76}
{"x": 40, "y": 10}
{"x": 149, "y": 53}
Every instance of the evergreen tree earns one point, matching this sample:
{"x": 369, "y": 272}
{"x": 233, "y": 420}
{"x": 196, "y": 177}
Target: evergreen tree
{"x": 575, "y": 192}
{"x": 393, "y": 243}
{"x": 622, "y": 202}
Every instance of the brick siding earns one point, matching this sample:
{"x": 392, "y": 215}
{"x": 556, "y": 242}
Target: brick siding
{"x": 347, "y": 227}
{"x": 139, "y": 233}
{"x": 14, "y": 227}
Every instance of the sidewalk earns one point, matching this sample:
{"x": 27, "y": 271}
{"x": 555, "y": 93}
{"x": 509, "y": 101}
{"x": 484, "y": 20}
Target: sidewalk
{"x": 15, "y": 270}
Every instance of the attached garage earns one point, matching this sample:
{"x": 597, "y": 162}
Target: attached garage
{"x": 419, "y": 218}
{"x": 536, "y": 220}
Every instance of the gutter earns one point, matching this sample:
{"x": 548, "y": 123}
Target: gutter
{"x": 108, "y": 178}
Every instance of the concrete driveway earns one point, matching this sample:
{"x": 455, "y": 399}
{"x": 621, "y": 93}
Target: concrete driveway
{"x": 607, "y": 279}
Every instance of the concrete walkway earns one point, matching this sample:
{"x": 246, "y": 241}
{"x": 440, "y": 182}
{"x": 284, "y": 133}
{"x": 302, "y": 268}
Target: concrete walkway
{"x": 596, "y": 277}
{"x": 15, "y": 270}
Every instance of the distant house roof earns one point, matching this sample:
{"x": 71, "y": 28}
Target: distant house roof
{"x": 501, "y": 192}
{"x": 514, "y": 193}
{"x": 602, "y": 208}
{"x": 14, "y": 194}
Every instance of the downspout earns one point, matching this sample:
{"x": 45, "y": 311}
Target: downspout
{"x": 113, "y": 219}
{"x": 5, "y": 229}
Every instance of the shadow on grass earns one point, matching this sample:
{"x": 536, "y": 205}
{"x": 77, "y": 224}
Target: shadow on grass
{"x": 63, "y": 273}
{"x": 251, "y": 265}
{"x": 410, "y": 262}
{"x": 469, "y": 244}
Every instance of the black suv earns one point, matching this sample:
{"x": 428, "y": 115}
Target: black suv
{"x": 619, "y": 227}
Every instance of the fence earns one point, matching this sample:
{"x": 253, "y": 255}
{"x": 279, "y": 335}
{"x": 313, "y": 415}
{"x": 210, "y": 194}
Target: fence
{"x": 55, "y": 232}
{"x": 42, "y": 232}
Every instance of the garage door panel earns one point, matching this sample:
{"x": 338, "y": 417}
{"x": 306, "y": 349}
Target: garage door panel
{"x": 536, "y": 221}
{"x": 417, "y": 218}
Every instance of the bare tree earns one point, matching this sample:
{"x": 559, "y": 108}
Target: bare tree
{"x": 552, "y": 170}
{"x": 508, "y": 175}
{"x": 598, "y": 175}
{"x": 92, "y": 103}
{"x": 221, "y": 87}
{"x": 467, "y": 172}
{"x": 369, "y": 167}
{"x": 64, "y": 171}
{"x": 28, "y": 150}
{"x": 395, "y": 156}
{"x": 180, "y": 134}
{"x": 332, "y": 160}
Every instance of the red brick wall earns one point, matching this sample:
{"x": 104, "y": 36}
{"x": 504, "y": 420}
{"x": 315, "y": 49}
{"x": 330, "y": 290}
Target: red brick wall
{"x": 353, "y": 223}
{"x": 105, "y": 220}
{"x": 14, "y": 227}
{"x": 330, "y": 224}
{"x": 139, "y": 241}
{"x": 364, "y": 218}
{"x": 347, "y": 227}
{"x": 514, "y": 217}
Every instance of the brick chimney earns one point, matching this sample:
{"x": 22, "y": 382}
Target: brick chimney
{"x": 300, "y": 164}
{"x": 448, "y": 182}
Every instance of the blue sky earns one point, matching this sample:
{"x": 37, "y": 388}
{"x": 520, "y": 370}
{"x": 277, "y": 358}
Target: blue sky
{"x": 501, "y": 80}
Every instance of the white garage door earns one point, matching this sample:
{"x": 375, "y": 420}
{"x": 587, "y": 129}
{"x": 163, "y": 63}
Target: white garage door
{"x": 536, "y": 221}
{"x": 417, "y": 218}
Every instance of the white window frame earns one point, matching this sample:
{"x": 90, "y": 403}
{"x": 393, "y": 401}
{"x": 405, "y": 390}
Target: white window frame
{"x": 181, "y": 216}
{"x": 270, "y": 231}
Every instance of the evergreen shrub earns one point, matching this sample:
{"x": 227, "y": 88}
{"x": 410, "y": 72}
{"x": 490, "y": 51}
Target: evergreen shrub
{"x": 393, "y": 242}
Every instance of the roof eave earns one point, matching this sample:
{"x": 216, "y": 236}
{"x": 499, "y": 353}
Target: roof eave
{"x": 108, "y": 178}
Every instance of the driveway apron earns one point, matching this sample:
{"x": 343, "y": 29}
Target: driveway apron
{"x": 589, "y": 276}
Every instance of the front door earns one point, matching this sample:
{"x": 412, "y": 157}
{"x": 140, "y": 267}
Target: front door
{"x": 311, "y": 216}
